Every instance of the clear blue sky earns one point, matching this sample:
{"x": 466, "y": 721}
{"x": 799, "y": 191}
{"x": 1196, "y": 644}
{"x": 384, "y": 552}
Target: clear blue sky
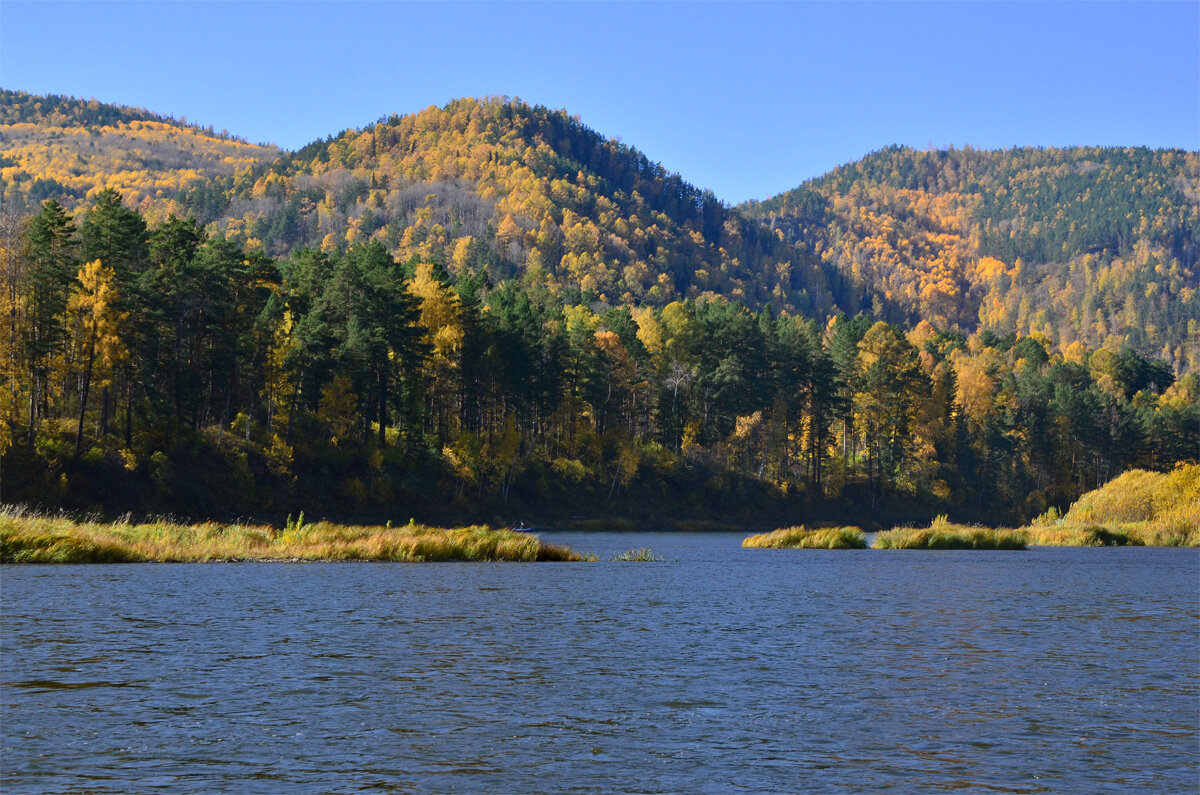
{"x": 745, "y": 99}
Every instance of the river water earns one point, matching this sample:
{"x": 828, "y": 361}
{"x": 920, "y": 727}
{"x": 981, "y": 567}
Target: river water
{"x": 716, "y": 670}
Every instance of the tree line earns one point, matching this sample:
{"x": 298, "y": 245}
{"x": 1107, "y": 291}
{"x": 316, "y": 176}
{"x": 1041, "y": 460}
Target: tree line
{"x": 165, "y": 358}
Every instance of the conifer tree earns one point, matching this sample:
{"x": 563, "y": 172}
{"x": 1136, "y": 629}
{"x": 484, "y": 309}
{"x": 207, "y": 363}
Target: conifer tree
{"x": 53, "y": 256}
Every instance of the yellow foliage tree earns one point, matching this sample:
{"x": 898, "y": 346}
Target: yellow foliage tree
{"x": 441, "y": 312}
{"x": 650, "y": 332}
{"x": 94, "y": 308}
{"x": 441, "y": 316}
{"x": 338, "y": 408}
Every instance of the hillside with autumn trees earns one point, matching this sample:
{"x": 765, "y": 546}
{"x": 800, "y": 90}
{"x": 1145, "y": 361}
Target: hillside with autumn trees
{"x": 67, "y": 149}
{"x": 520, "y": 191}
{"x": 1085, "y": 246}
{"x": 488, "y": 310}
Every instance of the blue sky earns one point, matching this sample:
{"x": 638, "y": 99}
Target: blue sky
{"x": 746, "y": 99}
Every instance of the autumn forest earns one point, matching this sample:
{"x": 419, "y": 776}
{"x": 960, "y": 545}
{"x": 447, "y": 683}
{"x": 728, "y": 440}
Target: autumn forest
{"x": 488, "y": 311}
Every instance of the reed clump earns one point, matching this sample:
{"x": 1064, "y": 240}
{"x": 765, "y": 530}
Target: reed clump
{"x": 1137, "y": 508}
{"x": 944, "y": 534}
{"x": 640, "y": 555}
{"x": 802, "y": 537}
{"x": 29, "y": 538}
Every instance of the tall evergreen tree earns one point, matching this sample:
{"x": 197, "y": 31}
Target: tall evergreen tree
{"x": 53, "y": 254}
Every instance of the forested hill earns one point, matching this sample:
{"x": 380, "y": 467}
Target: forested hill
{"x": 489, "y": 307}
{"x": 517, "y": 190}
{"x": 1091, "y": 245}
{"x": 1097, "y": 245}
{"x": 67, "y": 149}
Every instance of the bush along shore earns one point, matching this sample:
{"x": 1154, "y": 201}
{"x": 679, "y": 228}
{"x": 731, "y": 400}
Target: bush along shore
{"x": 30, "y": 538}
{"x": 1137, "y": 508}
{"x": 941, "y": 534}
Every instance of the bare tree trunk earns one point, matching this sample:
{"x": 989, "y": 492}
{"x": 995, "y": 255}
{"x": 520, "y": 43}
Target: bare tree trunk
{"x": 105, "y": 404}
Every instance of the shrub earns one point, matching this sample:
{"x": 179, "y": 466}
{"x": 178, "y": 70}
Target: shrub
{"x": 1137, "y": 508}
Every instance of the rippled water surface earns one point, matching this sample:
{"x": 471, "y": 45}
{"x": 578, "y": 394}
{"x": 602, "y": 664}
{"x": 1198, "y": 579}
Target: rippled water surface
{"x": 717, "y": 670}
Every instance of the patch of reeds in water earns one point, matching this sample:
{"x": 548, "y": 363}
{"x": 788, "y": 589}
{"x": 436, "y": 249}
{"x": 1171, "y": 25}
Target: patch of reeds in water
{"x": 29, "y": 538}
{"x": 802, "y": 537}
{"x": 641, "y": 555}
{"x": 1137, "y": 508}
{"x": 943, "y": 534}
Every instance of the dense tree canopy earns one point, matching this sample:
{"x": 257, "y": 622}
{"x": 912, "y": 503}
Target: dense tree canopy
{"x": 490, "y": 304}
{"x": 132, "y": 348}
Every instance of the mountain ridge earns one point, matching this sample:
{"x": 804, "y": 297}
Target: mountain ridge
{"x": 69, "y": 149}
{"x": 1030, "y": 240}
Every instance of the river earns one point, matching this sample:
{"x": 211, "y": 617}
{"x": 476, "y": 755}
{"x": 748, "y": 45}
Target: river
{"x": 716, "y": 670}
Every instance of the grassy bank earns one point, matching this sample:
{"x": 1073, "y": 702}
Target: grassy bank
{"x": 26, "y": 538}
{"x": 942, "y": 534}
{"x": 1137, "y": 508}
{"x": 804, "y": 538}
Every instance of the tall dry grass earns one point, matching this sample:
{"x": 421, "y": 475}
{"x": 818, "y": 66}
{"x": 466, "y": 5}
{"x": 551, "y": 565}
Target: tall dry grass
{"x": 943, "y": 534}
{"x": 30, "y": 538}
{"x": 802, "y": 537}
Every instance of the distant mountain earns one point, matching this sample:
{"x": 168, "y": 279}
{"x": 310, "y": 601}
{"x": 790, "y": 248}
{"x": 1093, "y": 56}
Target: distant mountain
{"x": 1090, "y": 245}
{"x": 1098, "y": 245}
{"x": 519, "y": 190}
{"x": 491, "y": 184}
{"x": 68, "y": 149}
